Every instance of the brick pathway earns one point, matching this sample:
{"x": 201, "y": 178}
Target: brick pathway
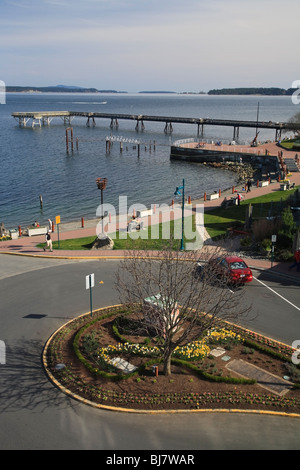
{"x": 269, "y": 381}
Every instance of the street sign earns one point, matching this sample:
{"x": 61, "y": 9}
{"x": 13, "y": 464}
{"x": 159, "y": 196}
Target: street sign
{"x": 57, "y": 220}
{"x": 90, "y": 281}
{"x": 274, "y": 237}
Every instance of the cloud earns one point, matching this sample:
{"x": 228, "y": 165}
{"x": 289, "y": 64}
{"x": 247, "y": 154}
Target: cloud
{"x": 136, "y": 42}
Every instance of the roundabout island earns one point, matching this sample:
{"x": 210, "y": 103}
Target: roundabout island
{"x": 103, "y": 360}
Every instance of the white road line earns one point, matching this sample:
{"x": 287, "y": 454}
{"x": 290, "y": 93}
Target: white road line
{"x": 295, "y": 306}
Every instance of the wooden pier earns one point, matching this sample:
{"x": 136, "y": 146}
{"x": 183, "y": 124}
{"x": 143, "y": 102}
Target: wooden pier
{"x": 42, "y": 118}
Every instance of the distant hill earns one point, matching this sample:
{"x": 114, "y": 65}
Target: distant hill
{"x": 158, "y": 92}
{"x": 253, "y": 91}
{"x": 56, "y": 89}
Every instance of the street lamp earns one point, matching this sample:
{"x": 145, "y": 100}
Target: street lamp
{"x": 101, "y": 184}
{"x": 178, "y": 193}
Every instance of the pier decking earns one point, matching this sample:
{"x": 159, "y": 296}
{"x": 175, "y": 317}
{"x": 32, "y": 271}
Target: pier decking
{"x": 45, "y": 117}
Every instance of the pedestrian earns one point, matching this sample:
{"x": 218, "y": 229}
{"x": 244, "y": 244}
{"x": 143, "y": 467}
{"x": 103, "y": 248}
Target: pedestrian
{"x": 297, "y": 261}
{"x": 249, "y": 184}
{"x": 48, "y": 242}
{"x": 239, "y": 197}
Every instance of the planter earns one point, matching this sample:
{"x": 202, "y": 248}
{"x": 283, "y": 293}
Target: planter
{"x": 14, "y": 234}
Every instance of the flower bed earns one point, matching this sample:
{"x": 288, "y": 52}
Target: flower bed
{"x": 198, "y": 380}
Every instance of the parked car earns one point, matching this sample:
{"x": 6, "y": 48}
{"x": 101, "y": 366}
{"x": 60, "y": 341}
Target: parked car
{"x": 234, "y": 267}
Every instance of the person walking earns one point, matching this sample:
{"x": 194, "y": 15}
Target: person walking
{"x": 249, "y": 184}
{"x": 297, "y": 261}
{"x": 48, "y": 242}
{"x": 50, "y": 225}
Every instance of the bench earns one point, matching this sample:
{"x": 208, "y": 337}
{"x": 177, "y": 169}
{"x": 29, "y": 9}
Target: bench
{"x": 31, "y": 231}
{"x": 144, "y": 213}
{"x": 210, "y": 197}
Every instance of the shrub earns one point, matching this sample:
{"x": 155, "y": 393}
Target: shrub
{"x": 246, "y": 242}
{"x": 284, "y": 255}
{"x": 264, "y": 228}
{"x": 266, "y": 244}
{"x": 288, "y": 226}
{"x": 90, "y": 344}
{"x": 294, "y": 372}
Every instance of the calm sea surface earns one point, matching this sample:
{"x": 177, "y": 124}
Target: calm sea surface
{"x": 34, "y": 161}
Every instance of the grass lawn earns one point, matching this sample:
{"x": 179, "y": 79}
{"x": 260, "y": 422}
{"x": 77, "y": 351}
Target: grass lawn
{"x": 152, "y": 238}
{"x": 217, "y": 221}
{"x": 289, "y": 144}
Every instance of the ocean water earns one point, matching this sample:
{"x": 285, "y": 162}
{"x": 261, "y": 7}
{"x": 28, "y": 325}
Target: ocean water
{"x": 34, "y": 161}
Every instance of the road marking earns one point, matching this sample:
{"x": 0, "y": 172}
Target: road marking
{"x": 295, "y": 306}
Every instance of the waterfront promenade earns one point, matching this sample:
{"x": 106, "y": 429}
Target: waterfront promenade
{"x": 27, "y": 246}
{"x": 269, "y": 148}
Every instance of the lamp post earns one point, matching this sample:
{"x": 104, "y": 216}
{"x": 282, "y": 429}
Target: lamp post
{"x": 101, "y": 184}
{"x": 178, "y": 193}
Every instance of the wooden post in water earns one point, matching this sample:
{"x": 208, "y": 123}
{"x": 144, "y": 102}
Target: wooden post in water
{"x": 69, "y": 129}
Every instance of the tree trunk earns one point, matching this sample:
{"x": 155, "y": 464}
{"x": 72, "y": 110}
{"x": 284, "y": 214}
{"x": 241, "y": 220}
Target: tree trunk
{"x": 167, "y": 363}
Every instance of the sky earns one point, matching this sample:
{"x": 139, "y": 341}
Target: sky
{"x": 153, "y": 45}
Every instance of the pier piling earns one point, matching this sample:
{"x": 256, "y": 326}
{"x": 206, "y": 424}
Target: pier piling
{"x": 69, "y": 130}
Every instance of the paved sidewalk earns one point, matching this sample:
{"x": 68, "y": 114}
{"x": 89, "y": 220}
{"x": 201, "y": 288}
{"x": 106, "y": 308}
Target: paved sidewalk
{"x": 27, "y": 246}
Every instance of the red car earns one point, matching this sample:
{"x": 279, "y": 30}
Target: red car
{"x": 234, "y": 267}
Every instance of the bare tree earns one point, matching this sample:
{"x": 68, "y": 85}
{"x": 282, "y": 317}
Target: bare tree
{"x": 173, "y": 299}
{"x": 294, "y": 124}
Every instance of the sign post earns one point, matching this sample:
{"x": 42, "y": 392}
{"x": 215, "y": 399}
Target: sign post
{"x": 273, "y": 245}
{"x": 89, "y": 283}
{"x": 57, "y": 220}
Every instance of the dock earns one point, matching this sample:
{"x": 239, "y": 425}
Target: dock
{"x": 42, "y": 118}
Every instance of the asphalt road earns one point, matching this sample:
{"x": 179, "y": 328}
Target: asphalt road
{"x": 39, "y": 295}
